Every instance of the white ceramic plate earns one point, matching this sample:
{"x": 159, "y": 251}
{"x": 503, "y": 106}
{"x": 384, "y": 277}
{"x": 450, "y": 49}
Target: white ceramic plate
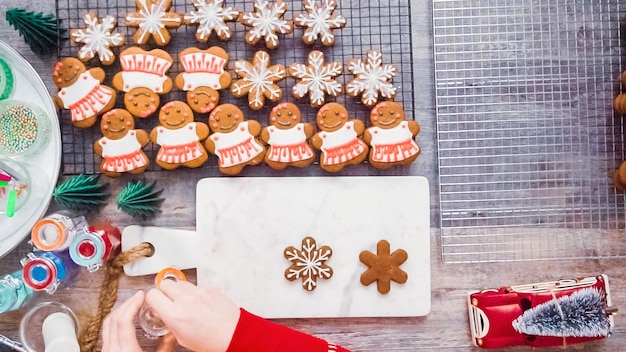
{"x": 43, "y": 168}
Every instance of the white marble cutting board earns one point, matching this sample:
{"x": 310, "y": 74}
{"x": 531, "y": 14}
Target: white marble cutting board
{"x": 244, "y": 225}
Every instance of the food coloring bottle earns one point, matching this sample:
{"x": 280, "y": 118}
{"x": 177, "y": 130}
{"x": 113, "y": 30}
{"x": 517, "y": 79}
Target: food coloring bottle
{"x": 56, "y": 231}
{"x": 91, "y": 248}
{"x": 44, "y": 271}
{"x": 14, "y": 294}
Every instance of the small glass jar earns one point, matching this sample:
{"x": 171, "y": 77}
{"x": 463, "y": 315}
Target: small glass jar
{"x": 91, "y": 248}
{"x": 25, "y": 128}
{"x": 55, "y": 232}
{"x": 44, "y": 271}
{"x": 50, "y": 327}
{"x": 149, "y": 321}
{"x": 14, "y": 294}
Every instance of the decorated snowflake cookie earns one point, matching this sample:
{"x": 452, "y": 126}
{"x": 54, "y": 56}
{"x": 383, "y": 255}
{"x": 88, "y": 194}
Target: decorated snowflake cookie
{"x": 383, "y": 267}
{"x": 258, "y": 80}
{"x": 371, "y": 78}
{"x": 317, "y": 78}
{"x": 319, "y": 21}
{"x": 266, "y": 22}
{"x": 97, "y": 38}
{"x": 153, "y": 18}
{"x": 210, "y": 16}
{"x": 308, "y": 263}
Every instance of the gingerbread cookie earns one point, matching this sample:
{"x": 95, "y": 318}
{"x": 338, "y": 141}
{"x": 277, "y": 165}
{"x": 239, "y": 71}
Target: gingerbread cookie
{"x": 234, "y": 140}
{"x": 287, "y": 138}
{"x": 338, "y": 138}
{"x": 142, "y": 79}
{"x": 121, "y": 144}
{"x": 204, "y": 75}
{"x": 258, "y": 80}
{"x": 316, "y": 79}
{"x": 152, "y": 19}
{"x": 211, "y": 16}
{"x": 371, "y": 78}
{"x": 308, "y": 263}
{"x": 383, "y": 267}
{"x": 620, "y": 101}
{"x": 97, "y": 38}
{"x": 81, "y": 91}
{"x": 391, "y": 136}
{"x": 266, "y": 22}
{"x": 619, "y": 178}
{"x": 319, "y": 21}
{"x": 179, "y": 137}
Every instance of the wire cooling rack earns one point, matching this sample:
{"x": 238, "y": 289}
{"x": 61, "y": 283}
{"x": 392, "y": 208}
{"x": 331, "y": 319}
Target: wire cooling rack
{"x": 527, "y": 137}
{"x": 372, "y": 25}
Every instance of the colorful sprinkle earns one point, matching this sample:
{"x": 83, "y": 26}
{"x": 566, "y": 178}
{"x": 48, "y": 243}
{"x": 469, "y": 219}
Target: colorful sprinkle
{"x": 18, "y": 129}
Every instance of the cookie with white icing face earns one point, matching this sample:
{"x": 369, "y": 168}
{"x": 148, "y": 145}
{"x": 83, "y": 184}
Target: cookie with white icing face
{"x": 179, "y": 137}
{"x": 81, "y": 91}
{"x": 338, "y": 138}
{"x": 203, "y": 76}
{"x": 121, "y": 144}
{"x": 153, "y": 19}
{"x": 97, "y": 39}
{"x": 391, "y": 136}
{"x": 143, "y": 79}
{"x": 287, "y": 138}
{"x": 234, "y": 140}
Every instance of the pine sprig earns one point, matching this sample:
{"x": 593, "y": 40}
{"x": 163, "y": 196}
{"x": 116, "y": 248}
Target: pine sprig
{"x": 40, "y": 31}
{"x": 139, "y": 199}
{"x": 80, "y": 192}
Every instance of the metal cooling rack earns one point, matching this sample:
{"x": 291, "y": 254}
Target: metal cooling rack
{"x": 527, "y": 137}
{"x": 372, "y": 24}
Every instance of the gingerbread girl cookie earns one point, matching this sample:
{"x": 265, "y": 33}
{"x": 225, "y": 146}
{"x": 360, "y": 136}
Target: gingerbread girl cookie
{"x": 204, "y": 75}
{"x": 391, "y": 136}
{"x": 338, "y": 138}
{"x": 179, "y": 137}
{"x": 316, "y": 79}
{"x": 234, "y": 140}
{"x": 258, "y": 80}
{"x": 211, "y": 16}
{"x": 142, "y": 79}
{"x": 121, "y": 144}
{"x": 371, "y": 78}
{"x": 81, "y": 91}
{"x": 152, "y": 19}
{"x": 319, "y": 21}
{"x": 97, "y": 38}
{"x": 266, "y": 22}
{"x": 287, "y": 138}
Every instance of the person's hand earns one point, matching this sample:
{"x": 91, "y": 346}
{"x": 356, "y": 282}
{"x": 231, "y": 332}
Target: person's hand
{"x": 118, "y": 329}
{"x": 201, "y": 319}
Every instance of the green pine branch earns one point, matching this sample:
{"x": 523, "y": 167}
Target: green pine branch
{"x": 40, "y": 31}
{"x": 140, "y": 200}
{"x": 81, "y": 192}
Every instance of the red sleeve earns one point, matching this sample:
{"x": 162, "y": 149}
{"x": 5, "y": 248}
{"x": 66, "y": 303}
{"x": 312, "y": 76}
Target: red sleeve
{"x": 254, "y": 333}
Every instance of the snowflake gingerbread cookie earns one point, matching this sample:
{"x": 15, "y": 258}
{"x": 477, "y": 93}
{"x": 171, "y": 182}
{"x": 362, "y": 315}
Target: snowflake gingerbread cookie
{"x": 371, "y": 78}
{"x": 383, "y": 267}
{"x": 266, "y": 22}
{"x": 316, "y": 79}
{"x": 308, "y": 263}
{"x": 319, "y": 21}
{"x": 152, "y": 19}
{"x": 258, "y": 80}
{"x": 211, "y": 16}
{"x": 97, "y": 38}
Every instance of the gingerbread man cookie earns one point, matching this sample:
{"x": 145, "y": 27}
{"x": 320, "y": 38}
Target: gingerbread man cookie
{"x": 203, "y": 76}
{"x": 308, "y": 263}
{"x": 121, "y": 144}
{"x": 81, "y": 91}
{"x": 319, "y": 21}
{"x": 152, "y": 19}
{"x": 266, "y": 22}
{"x": 371, "y": 78}
{"x": 211, "y": 16}
{"x": 234, "y": 140}
{"x": 316, "y": 79}
{"x": 142, "y": 79}
{"x": 338, "y": 138}
{"x": 97, "y": 38}
{"x": 287, "y": 138}
{"x": 258, "y": 80}
{"x": 383, "y": 267}
{"x": 391, "y": 136}
{"x": 619, "y": 178}
{"x": 179, "y": 137}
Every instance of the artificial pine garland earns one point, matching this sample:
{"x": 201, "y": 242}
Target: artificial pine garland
{"x": 79, "y": 193}
{"x": 139, "y": 199}
{"x": 41, "y": 32}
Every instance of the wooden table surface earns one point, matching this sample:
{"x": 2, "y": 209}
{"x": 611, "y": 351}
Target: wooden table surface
{"x": 444, "y": 329}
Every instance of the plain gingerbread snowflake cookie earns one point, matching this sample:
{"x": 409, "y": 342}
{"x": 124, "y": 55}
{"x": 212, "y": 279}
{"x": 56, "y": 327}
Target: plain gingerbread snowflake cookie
{"x": 319, "y": 21}
{"x": 258, "y": 80}
{"x": 316, "y": 79}
{"x": 383, "y": 267}
{"x": 211, "y": 16}
{"x": 371, "y": 78}
{"x": 308, "y": 263}
{"x": 266, "y": 22}
{"x": 97, "y": 38}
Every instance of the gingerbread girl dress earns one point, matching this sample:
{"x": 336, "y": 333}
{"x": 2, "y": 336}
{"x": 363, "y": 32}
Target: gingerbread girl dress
{"x": 122, "y": 155}
{"x": 394, "y": 144}
{"x": 288, "y": 146}
{"x": 179, "y": 146}
{"x": 342, "y": 145}
{"x": 236, "y": 147}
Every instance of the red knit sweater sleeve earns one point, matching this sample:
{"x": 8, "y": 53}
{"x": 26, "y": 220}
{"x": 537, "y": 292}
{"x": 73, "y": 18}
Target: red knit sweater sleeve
{"x": 254, "y": 333}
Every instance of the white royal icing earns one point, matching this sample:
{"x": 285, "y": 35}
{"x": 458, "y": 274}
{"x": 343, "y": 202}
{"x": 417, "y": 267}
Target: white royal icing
{"x": 258, "y": 79}
{"x": 152, "y": 19}
{"x": 392, "y": 144}
{"x": 288, "y": 145}
{"x": 371, "y": 78}
{"x": 317, "y": 78}
{"x": 97, "y": 38}
{"x": 266, "y": 20}
{"x": 320, "y": 21}
{"x": 211, "y": 16}
{"x": 236, "y": 147}
{"x": 137, "y": 79}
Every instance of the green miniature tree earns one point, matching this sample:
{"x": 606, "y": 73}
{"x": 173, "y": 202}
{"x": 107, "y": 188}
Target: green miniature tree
{"x": 41, "y": 32}
{"x": 81, "y": 192}
{"x": 139, "y": 199}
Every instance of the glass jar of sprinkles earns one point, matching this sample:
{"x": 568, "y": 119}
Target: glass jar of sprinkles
{"x": 24, "y": 128}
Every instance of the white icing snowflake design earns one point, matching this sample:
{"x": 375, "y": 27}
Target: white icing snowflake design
{"x": 97, "y": 38}
{"x": 308, "y": 263}
{"x": 317, "y": 78}
{"x": 152, "y": 17}
{"x": 371, "y": 78}
{"x": 211, "y": 16}
{"x": 258, "y": 80}
{"x": 319, "y": 21}
{"x": 266, "y": 21}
